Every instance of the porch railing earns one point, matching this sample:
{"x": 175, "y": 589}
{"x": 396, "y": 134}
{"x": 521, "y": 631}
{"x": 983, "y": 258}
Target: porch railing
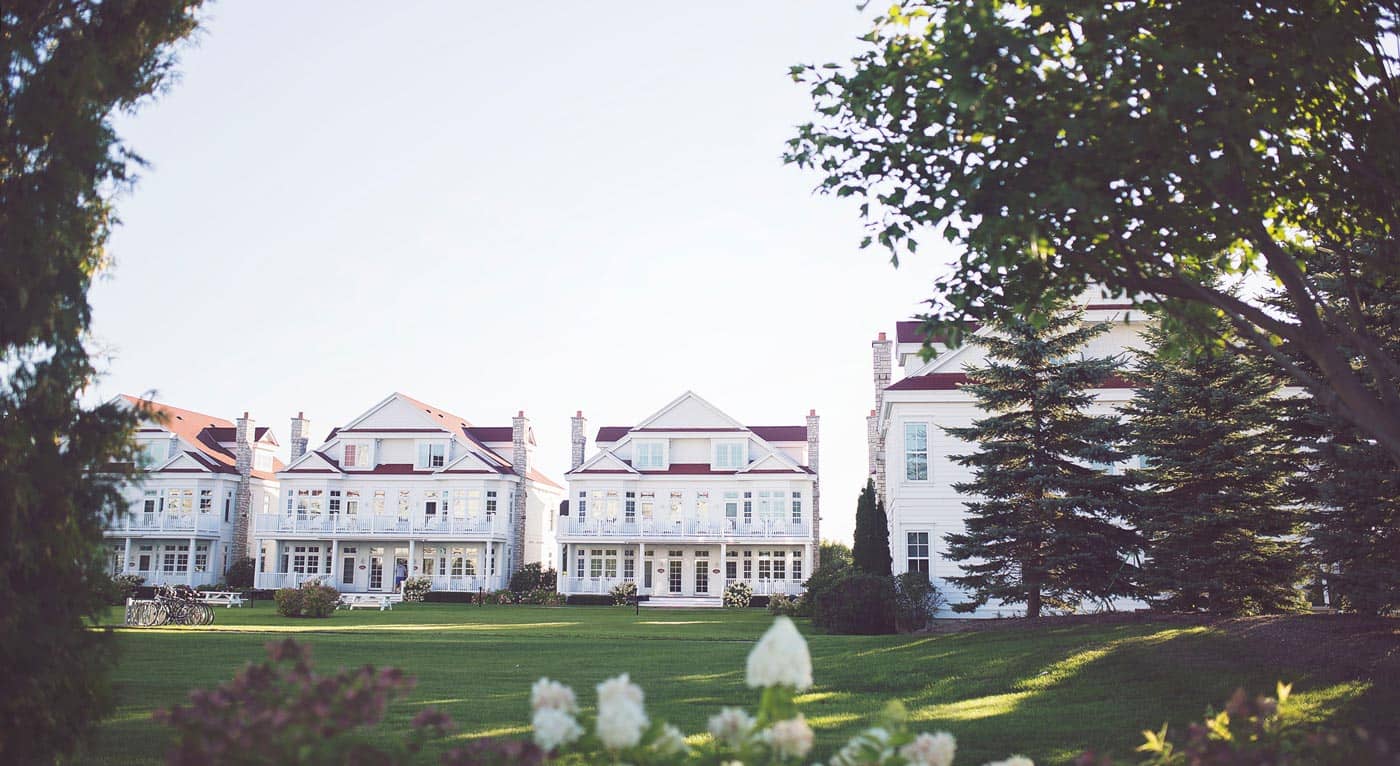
{"x": 162, "y": 577}
{"x": 389, "y": 526}
{"x": 716, "y": 529}
{"x": 716, "y": 585}
{"x": 166, "y": 522}
{"x": 458, "y": 583}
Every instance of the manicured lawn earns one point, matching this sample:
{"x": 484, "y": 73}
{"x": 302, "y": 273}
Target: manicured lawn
{"x": 1044, "y": 692}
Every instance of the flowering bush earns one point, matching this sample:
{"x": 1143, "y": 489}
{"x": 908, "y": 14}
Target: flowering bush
{"x": 785, "y": 605}
{"x": 738, "y": 594}
{"x": 282, "y": 711}
{"x": 504, "y": 596}
{"x": 312, "y": 599}
{"x": 544, "y": 597}
{"x": 623, "y": 593}
{"x": 415, "y": 588}
{"x": 781, "y": 667}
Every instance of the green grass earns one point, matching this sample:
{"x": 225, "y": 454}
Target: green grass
{"x": 1047, "y": 693}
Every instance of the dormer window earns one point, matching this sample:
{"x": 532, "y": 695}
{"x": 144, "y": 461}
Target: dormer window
{"x": 730, "y": 455}
{"x": 154, "y": 453}
{"x": 358, "y": 455}
{"x": 649, "y": 455}
{"x": 432, "y": 454}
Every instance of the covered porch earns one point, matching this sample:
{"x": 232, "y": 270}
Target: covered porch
{"x": 189, "y": 561}
{"x": 665, "y": 569}
{"x": 380, "y": 566}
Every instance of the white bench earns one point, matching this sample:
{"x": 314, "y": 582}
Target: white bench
{"x": 364, "y": 601}
{"x": 226, "y": 598}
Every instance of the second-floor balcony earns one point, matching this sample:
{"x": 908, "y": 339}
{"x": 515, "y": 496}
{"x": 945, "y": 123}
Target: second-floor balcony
{"x": 421, "y": 525}
{"x": 186, "y": 523}
{"x": 716, "y": 529}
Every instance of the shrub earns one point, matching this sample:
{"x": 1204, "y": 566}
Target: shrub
{"x": 415, "y": 588}
{"x": 505, "y": 596}
{"x": 545, "y": 597}
{"x": 240, "y": 573}
{"x": 783, "y": 604}
{"x": 820, "y": 583}
{"x": 312, "y": 599}
{"x": 916, "y": 601}
{"x": 532, "y": 577}
{"x": 623, "y": 593}
{"x": 859, "y": 604}
{"x": 450, "y": 597}
{"x": 590, "y": 599}
{"x": 282, "y": 711}
{"x": 738, "y": 594}
{"x": 123, "y": 587}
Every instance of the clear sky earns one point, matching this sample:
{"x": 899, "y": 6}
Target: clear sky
{"x": 550, "y": 207}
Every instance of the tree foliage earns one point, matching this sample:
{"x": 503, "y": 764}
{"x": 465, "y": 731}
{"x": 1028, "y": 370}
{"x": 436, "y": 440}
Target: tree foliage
{"x": 1214, "y": 506}
{"x": 1157, "y": 149}
{"x": 70, "y": 66}
{"x": 1351, "y": 487}
{"x": 871, "y": 553}
{"x": 1042, "y": 524}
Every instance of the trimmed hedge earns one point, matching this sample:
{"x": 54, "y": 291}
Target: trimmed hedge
{"x": 449, "y": 597}
{"x": 860, "y": 604}
{"x": 593, "y": 599}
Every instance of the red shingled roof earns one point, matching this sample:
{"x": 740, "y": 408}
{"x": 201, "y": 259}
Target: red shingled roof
{"x": 204, "y": 432}
{"x": 911, "y": 331}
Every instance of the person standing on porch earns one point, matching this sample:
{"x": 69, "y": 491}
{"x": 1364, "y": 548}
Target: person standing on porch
{"x": 400, "y": 574}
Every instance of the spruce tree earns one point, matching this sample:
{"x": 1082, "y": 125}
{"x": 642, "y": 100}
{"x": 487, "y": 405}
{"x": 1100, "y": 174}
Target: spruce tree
{"x": 1043, "y": 522}
{"x": 872, "y": 539}
{"x": 1214, "y": 504}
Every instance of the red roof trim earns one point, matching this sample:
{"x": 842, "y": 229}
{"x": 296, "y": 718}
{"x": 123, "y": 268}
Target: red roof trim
{"x": 608, "y": 434}
{"x": 396, "y": 430}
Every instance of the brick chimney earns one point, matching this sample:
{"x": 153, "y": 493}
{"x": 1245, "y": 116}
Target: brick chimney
{"x": 520, "y": 461}
{"x": 301, "y": 431}
{"x": 578, "y": 439}
{"x": 874, "y": 434}
{"x": 814, "y": 462}
{"x": 243, "y": 497}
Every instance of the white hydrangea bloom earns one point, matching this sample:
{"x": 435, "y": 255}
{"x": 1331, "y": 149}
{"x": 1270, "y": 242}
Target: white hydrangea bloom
{"x": 780, "y": 658}
{"x": 865, "y": 749}
{"x": 732, "y": 726}
{"x": 670, "y": 741}
{"x": 552, "y": 695}
{"x": 930, "y": 750}
{"x": 1015, "y": 760}
{"x": 554, "y": 728}
{"x": 621, "y": 719}
{"x": 791, "y": 738}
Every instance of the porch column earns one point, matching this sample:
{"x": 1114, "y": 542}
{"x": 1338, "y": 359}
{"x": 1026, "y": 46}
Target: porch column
{"x": 126, "y": 556}
{"x": 334, "y": 557}
{"x": 642, "y": 568}
{"x": 806, "y": 561}
{"x": 258, "y": 561}
{"x": 723, "y": 566}
{"x": 189, "y": 565}
{"x": 412, "y": 556}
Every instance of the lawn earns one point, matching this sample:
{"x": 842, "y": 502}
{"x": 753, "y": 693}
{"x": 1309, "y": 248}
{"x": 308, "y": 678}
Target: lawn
{"x": 1045, "y": 692}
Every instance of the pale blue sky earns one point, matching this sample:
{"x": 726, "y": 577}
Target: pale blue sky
{"x": 490, "y": 208}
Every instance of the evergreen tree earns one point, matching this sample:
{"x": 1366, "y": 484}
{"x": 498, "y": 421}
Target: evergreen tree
{"x": 1043, "y": 524}
{"x": 1351, "y": 485}
{"x": 872, "y": 539}
{"x": 1214, "y": 505}
{"x": 70, "y": 67}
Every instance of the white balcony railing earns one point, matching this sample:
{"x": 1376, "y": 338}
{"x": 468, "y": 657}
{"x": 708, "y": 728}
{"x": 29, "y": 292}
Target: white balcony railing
{"x": 467, "y": 583}
{"x": 716, "y": 586}
{"x": 692, "y": 527}
{"x": 458, "y": 583}
{"x": 162, "y": 577}
{"x": 186, "y": 523}
{"x": 388, "y": 526}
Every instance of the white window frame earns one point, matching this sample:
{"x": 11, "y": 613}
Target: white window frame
{"x": 364, "y": 454}
{"x": 911, "y": 546}
{"x": 645, "y": 447}
{"x": 427, "y": 458}
{"x": 910, "y": 471}
{"x": 729, "y": 455}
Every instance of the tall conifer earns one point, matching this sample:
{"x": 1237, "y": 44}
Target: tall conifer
{"x": 1043, "y": 516}
{"x": 872, "y": 537}
{"x": 1214, "y": 505}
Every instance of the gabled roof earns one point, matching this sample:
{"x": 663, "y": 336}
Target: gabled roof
{"x": 912, "y": 331}
{"x": 202, "y": 435}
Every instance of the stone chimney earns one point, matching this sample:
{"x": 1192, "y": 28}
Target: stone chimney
{"x": 243, "y": 497}
{"x": 875, "y": 434}
{"x": 578, "y": 439}
{"x": 520, "y": 460}
{"x": 814, "y": 462}
{"x": 301, "y": 432}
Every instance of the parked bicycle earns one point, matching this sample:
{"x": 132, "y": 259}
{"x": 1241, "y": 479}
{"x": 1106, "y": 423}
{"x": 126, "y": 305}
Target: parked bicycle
{"x": 173, "y": 605}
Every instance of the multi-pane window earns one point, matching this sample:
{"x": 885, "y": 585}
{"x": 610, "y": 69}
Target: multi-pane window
{"x": 779, "y": 565}
{"x": 333, "y": 502}
{"x": 765, "y": 567}
{"x": 916, "y": 451}
{"x": 595, "y": 564}
{"x": 432, "y": 454}
{"x": 648, "y": 506}
{"x": 610, "y": 563}
{"x": 206, "y": 500}
{"x": 404, "y": 496}
{"x": 729, "y": 455}
{"x": 629, "y": 565}
{"x": 583, "y": 506}
{"x": 797, "y": 565}
{"x": 430, "y": 504}
{"x": 731, "y": 565}
{"x": 629, "y": 507}
{"x": 579, "y": 569}
{"x": 150, "y": 501}
{"x": 676, "y": 506}
{"x": 352, "y": 502}
{"x": 917, "y": 557}
{"x": 702, "y": 506}
{"x": 201, "y": 557}
{"x": 748, "y": 507}
{"x": 610, "y": 512}
{"x": 748, "y": 565}
{"x": 357, "y": 455}
{"x": 649, "y": 454}
{"x": 731, "y": 508}
{"x": 797, "y": 507}
{"x": 490, "y": 502}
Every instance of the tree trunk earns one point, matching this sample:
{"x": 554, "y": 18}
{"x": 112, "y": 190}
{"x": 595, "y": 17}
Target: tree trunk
{"x": 1033, "y": 600}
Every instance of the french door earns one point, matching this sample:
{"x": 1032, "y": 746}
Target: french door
{"x": 675, "y": 570}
